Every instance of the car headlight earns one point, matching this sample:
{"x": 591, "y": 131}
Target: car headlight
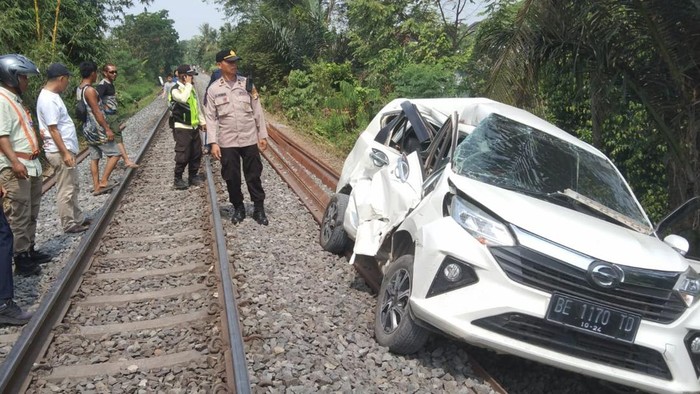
{"x": 482, "y": 226}
{"x": 688, "y": 286}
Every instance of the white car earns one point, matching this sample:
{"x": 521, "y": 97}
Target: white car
{"x": 493, "y": 226}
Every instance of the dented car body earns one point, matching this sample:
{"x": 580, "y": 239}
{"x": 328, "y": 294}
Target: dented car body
{"x": 495, "y": 227}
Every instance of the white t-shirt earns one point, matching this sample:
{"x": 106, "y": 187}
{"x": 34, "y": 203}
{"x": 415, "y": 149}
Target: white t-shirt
{"x": 51, "y": 110}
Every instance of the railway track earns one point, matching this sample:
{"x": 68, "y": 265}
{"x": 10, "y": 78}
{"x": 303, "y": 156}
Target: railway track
{"x": 149, "y": 310}
{"x": 310, "y": 179}
{"x": 303, "y": 319}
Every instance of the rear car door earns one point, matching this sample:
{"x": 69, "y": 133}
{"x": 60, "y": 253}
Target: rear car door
{"x": 392, "y": 181}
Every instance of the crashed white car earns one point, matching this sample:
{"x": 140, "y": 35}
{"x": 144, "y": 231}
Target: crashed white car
{"x": 493, "y": 226}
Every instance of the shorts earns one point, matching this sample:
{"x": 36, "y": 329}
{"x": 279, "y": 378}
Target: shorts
{"x": 114, "y": 125}
{"x": 108, "y": 149}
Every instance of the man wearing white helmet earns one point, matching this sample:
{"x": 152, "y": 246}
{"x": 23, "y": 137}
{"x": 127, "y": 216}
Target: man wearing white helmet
{"x": 20, "y": 181}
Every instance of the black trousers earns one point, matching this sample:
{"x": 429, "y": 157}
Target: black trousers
{"x": 6, "y": 241}
{"x": 231, "y": 159}
{"x": 188, "y": 151}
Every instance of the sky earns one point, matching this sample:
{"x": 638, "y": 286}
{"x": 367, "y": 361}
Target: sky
{"x": 187, "y": 14}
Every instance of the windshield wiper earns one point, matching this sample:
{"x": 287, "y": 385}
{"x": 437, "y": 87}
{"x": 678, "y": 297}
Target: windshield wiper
{"x": 608, "y": 212}
{"x": 567, "y": 196}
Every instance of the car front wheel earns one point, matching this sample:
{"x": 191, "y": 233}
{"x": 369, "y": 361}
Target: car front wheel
{"x": 393, "y": 325}
{"x": 333, "y": 237}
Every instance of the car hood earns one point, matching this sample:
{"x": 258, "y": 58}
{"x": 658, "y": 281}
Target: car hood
{"x": 583, "y": 233}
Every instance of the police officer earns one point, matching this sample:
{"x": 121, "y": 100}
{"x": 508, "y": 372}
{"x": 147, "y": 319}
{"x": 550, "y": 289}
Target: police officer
{"x": 187, "y": 119}
{"x": 237, "y": 132}
{"x": 20, "y": 169}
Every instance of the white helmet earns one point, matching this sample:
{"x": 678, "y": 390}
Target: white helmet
{"x": 13, "y": 65}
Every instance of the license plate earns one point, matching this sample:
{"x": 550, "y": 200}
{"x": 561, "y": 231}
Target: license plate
{"x": 592, "y": 317}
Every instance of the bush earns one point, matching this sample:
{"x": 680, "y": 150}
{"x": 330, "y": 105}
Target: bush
{"x": 298, "y": 97}
{"x": 425, "y": 80}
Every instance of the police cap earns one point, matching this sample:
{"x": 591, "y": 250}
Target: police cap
{"x": 227, "y": 55}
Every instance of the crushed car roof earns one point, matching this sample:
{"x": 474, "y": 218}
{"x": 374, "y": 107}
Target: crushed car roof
{"x": 473, "y": 110}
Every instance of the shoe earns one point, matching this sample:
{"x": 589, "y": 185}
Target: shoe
{"x": 76, "y": 228}
{"x": 25, "y": 266}
{"x": 195, "y": 180}
{"x": 180, "y": 184}
{"x": 238, "y": 215}
{"x": 11, "y": 313}
{"x": 259, "y": 216}
{"x": 86, "y": 222}
{"x": 39, "y": 257}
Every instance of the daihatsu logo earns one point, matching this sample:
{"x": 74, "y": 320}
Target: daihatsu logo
{"x": 605, "y": 275}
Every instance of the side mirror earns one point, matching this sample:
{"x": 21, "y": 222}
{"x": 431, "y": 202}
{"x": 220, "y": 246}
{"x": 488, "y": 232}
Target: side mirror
{"x": 678, "y": 243}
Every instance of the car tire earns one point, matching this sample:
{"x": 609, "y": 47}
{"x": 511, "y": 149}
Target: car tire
{"x": 394, "y": 327}
{"x": 333, "y": 237}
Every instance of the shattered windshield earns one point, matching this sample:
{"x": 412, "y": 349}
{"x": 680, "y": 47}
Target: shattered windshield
{"x": 511, "y": 155}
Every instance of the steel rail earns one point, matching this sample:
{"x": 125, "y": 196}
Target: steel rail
{"x": 367, "y": 269}
{"x": 311, "y": 193}
{"x": 236, "y": 364}
{"x": 313, "y": 196}
{"x": 30, "y": 344}
{"x": 321, "y": 170}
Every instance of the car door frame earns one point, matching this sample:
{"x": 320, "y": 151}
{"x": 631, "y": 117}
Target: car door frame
{"x": 690, "y": 207}
{"x": 392, "y": 185}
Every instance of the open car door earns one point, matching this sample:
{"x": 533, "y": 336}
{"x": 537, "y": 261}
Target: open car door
{"x": 398, "y": 188}
{"x": 681, "y": 230}
{"x": 391, "y": 182}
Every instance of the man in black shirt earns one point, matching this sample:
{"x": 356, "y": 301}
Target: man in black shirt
{"x": 108, "y": 98}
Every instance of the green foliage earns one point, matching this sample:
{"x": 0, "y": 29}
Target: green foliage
{"x": 202, "y": 48}
{"x": 604, "y": 61}
{"x": 151, "y": 37}
{"x": 328, "y": 101}
{"x": 639, "y": 153}
{"x": 328, "y": 76}
{"x": 299, "y": 97}
{"x": 425, "y": 80}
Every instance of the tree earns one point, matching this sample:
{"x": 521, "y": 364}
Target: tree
{"x": 644, "y": 51}
{"x": 151, "y": 38}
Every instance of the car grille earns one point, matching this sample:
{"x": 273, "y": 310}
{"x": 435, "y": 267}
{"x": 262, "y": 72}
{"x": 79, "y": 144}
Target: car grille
{"x": 545, "y": 273}
{"x": 555, "y": 337}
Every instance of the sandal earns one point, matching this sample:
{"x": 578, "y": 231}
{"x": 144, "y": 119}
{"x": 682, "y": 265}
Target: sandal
{"x": 105, "y": 189}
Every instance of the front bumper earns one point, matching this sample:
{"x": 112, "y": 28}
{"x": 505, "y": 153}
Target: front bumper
{"x": 499, "y": 313}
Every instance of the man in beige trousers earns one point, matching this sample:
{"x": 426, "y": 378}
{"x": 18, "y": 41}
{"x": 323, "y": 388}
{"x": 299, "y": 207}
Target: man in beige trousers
{"x": 20, "y": 169}
{"x": 61, "y": 145}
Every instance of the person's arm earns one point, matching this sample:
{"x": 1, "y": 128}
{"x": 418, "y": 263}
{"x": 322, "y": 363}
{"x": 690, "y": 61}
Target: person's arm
{"x": 202, "y": 117}
{"x": 213, "y": 123}
{"x": 67, "y": 155}
{"x": 182, "y": 95}
{"x": 91, "y": 99}
{"x": 259, "y": 116}
{"x": 17, "y": 167}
